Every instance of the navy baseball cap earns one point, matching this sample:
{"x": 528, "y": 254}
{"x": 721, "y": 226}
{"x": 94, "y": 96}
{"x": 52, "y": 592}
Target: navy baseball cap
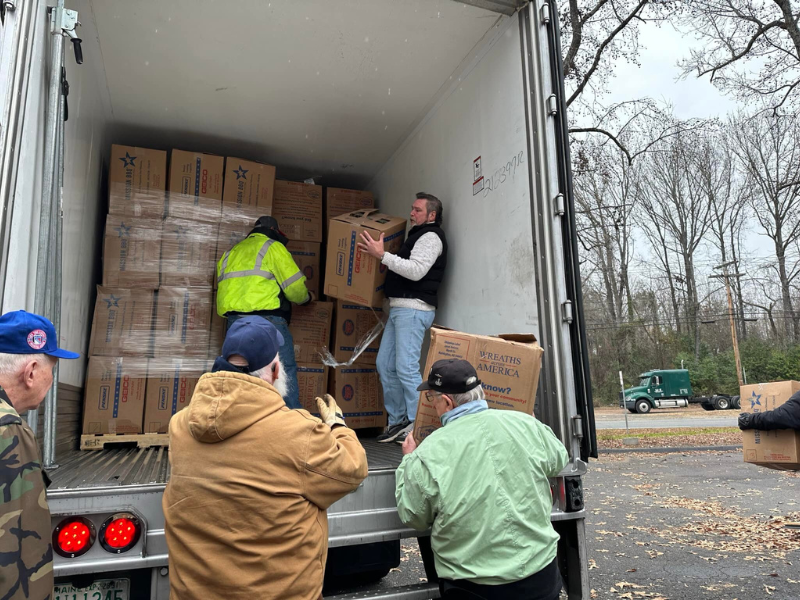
{"x": 255, "y": 339}
{"x": 26, "y": 333}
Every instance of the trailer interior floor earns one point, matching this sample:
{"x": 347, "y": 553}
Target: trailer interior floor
{"x": 149, "y": 466}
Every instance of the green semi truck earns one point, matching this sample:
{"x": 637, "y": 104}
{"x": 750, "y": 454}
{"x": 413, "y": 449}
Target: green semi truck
{"x": 670, "y": 388}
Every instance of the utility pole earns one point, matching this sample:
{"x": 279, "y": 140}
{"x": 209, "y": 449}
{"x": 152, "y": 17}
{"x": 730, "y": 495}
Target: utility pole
{"x": 727, "y": 277}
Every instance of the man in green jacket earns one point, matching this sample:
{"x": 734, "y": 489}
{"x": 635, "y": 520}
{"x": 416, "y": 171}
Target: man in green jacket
{"x": 258, "y": 276}
{"x": 481, "y": 484}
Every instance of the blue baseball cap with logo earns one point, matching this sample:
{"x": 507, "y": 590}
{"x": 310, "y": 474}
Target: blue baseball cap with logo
{"x": 255, "y": 339}
{"x": 26, "y": 333}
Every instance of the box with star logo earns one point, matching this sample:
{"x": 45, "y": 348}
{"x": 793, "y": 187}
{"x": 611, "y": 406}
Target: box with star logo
{"x": 778, "y": 448}
{"x": 249, "y": 187}
{"x": 123, "y": 322}
{"x": 183, "y": 321}
{"x": 137, "y": 179}
{"x": 131, "y": 252}
{"x": 188, "y": 252}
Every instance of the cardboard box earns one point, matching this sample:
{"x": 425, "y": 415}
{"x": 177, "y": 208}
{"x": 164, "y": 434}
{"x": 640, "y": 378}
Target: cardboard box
{"x": 298, "y": 209}
{"x": 353, "y": 275}
{"x": 312, "y": 381}
{"x": 114, "y": 395}
{"x": 123, "y": 322}
{"x": 248, "y": 184}
{"x": 131, "y": 252}
{"x": 311, "y": 330}
{"x": 231, "y": 233}
{"x": 195, "y": 186}
{"x": 339, "y": 201}
{"x": 358, "y": 393}
{"x": 183, "y": 321}
{"x": 137, "y": 179}
{"x": 219, "y": 327}
{"x": 778, "y": 448}
{"x": 307, "y": 256}
{"x": 187, "y": 253}
{"x": 353, "y": 323}
{"x": 508, "y": 366}
{"x": 170, "y": 385}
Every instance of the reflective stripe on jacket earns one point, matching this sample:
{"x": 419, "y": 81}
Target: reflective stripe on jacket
{"x": 252, "y": 274}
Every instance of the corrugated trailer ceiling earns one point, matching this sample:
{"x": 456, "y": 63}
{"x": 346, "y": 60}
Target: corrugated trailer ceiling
{"x": 331, "y": 87}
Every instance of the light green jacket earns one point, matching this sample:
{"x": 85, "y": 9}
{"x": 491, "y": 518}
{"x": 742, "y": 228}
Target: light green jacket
{"x": 481, "y": 484}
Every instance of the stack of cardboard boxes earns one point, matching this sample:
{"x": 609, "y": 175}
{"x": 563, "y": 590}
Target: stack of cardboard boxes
{"x": 356, "y": 280}
{"x": 151, "y": 327}
{"x": 156, "y": 329}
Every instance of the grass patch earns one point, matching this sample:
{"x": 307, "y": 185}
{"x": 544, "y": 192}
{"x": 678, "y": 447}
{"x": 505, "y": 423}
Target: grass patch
{"x": 618, "y": 434}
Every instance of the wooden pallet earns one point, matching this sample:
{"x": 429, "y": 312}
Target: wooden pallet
{"x": 142, "y": 440}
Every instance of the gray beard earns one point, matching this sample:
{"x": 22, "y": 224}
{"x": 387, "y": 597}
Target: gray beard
{"x": 281, "y": 383}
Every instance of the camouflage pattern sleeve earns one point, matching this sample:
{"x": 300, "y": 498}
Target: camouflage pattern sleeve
{"x": 26, "y": 556}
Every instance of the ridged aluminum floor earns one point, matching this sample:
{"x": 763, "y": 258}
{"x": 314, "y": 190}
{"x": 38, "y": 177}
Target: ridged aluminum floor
{"x": 112, "y": 468}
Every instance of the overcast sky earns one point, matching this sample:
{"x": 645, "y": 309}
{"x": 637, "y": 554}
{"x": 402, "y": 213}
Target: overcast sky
{"x": 659, "y": 78}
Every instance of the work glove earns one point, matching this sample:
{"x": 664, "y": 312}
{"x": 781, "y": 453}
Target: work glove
{"x": 329, "y": 411}
{"x": 745, "y": 420}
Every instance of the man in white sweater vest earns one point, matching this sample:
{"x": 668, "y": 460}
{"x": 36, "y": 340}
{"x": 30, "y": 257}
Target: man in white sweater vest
{"x": 412, "y": 285}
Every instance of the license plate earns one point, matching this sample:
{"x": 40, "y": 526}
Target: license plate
{"x": 102, "y": 589}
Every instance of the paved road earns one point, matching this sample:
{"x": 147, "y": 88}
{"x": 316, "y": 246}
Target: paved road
{"x": 692, "y": 526}
{"x": 655, "y": 421}
{"x": 684, "y": 526}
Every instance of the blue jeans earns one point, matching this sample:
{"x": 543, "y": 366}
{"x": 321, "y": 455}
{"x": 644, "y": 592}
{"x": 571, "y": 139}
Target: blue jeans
{"x": 398, "y": 361}
{"x": 286, "y": 354}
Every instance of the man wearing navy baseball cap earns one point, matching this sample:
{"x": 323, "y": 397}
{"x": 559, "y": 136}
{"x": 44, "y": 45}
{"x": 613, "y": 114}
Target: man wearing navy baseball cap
{"x": 238, "y": 449}
{"x": 28, "y": 352}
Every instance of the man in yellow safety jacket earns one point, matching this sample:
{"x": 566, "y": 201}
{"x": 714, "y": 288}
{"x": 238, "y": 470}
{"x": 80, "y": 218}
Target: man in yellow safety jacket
{"x": 258, "y": 276}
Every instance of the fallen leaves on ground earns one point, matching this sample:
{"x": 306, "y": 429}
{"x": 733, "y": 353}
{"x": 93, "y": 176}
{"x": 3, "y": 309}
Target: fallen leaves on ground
{"x": 671, "y": 438}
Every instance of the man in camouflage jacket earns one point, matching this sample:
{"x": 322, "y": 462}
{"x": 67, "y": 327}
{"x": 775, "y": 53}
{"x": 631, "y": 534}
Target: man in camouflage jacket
{"x": 28, "y": 353}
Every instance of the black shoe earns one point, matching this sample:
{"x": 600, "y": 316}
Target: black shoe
{"x": 404, "y": 434}
{"x": 392, "y": 432}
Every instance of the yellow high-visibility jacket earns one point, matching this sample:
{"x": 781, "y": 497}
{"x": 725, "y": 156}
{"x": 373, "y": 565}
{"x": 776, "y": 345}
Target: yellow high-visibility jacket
{"x": 251, "y": 275}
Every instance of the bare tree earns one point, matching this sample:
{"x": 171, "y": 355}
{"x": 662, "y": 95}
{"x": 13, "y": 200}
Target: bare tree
{"x": 603, "y": 193}
{"x": 715, "y": 174}
{"x": 674, "y": 204}
{"x": 768, "y": 146}
{"x": 596, "y": 34}
{"x": 749, "y": 47}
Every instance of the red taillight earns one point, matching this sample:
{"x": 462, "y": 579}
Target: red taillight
{"x": 73, "y": 536}
{"x": 120, "y": 533}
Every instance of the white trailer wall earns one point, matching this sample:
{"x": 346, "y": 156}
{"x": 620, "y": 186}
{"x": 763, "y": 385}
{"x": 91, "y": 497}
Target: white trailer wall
{"x": 481, "y": 114}
{"x": 86, "y": 139}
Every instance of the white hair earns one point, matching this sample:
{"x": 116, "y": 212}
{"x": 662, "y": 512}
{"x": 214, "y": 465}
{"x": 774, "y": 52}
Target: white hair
{"x": 11, "y": 364}
{"x": 473, "y": 395}
{"x": 281, "y": 384}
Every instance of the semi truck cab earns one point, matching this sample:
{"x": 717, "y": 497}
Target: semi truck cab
{"x": 668, "y": 388}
